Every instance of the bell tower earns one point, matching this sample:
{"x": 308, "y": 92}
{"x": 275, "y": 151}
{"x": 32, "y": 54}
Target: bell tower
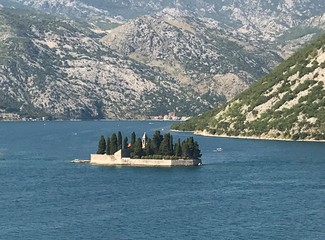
{"x": 144, "y": 140}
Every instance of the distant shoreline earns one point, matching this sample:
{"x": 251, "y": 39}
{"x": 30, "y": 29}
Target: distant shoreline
{"x": 202, "y": 133}
{"x": 255, "y": 138}
{"x": 93, "y": 120}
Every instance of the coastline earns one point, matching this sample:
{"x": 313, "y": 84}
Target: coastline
{"x": 91, "y": 120}
{"x": 203, "y": 133}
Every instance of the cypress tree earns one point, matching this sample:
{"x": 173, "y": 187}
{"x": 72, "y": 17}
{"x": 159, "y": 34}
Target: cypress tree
{"x": 101, "y": 145}
{"x": 156, "y": 141}
{"x": 133, "y": 139}
{"x": 196, "y": 152}
{"x": 191, "y": 147}
{"x": 165, "y": 148}
{"x": 113, "y": 144}
{"x": 171, "y": 145}
{"x": 178, "y": 149}
{"x": 137, "y": 150}
{"x": 125, "y": 143}
{"x": 185, "y": 149}
{"x": 108, "y": 146}
{"x": 119, "y": 140}
{"x": 148, "y": 149}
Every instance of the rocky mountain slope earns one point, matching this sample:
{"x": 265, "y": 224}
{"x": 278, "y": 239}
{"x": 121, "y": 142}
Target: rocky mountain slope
{"x": 235, "y": 37}
{"x": 288, "y": 24}
{"x": 59, "y": 68}
{"x": 289, "y": 103}
{"x": 294, "y": 38}
{"x": 256, "y": 20}
{"x": 196, "y": 52}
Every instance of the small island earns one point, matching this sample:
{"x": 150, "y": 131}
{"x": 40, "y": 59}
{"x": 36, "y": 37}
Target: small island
{"x": 156, "y": 151}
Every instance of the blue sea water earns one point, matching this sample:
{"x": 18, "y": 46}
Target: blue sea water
{"x": 252, "y": 189}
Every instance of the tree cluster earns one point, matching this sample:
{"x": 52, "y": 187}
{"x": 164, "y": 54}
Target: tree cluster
{"x": 112, "y": 144}
{"x": 159, "y": 146}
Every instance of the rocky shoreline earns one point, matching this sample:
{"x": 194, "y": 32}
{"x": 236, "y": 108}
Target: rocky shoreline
{"x": 204, "y": 133}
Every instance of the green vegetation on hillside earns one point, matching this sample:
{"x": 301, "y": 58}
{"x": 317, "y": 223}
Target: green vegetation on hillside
{"x": 287, "y": 103}
{"x": 298, "y": 32}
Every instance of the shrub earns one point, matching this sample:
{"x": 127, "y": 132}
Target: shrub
{"x": 295, "y": 136}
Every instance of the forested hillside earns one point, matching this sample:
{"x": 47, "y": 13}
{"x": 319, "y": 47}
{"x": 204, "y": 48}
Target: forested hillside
{"x": 289, "y": 103}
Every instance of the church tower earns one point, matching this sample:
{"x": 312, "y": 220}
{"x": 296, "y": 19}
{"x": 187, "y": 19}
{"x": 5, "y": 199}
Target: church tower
{"x": 144, "y": 140}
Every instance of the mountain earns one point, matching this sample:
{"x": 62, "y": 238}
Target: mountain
{"x": 294, "y": 38}
{"x": 195, "y": 51}
{"x": 254, "y": 20}
{"x": 289, "y": 103}
{"x": 59, "y": 68}
{"x": 185, "y": 56}
{"x": 257, "y": 19}
{"x": 262, "y": 32}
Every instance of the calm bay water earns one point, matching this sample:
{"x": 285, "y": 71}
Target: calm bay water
{"x": 251, "y": 190}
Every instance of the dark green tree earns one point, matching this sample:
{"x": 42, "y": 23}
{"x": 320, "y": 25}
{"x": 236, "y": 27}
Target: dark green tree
{"x": 113, "y": 144}
{"x": 190, "y": 143}
{"x": 190, "y": 149}
{"x": 108, "y": 146}
{"x": 196, "y": 152}
{"x": 101, "y": 145}
{"x": 185, "y": 149}
{"x": 148, "y": 149}
{"x": 137, "y": 150}
{"x": 119, "y": 140}
{"x": 125, "y": 143}
{"x": 178, "y": 149}
{"x": 165, "y": 147}
{"x": 156, "y": 141}
{"x": 171, "y": 145}
{"x": 133, "y": 139}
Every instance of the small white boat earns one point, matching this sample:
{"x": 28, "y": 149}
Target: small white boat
{"x": 218, "y": 150}
{"x": 80, "y": 161}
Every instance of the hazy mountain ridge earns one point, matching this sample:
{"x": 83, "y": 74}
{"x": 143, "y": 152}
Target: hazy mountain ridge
{"x": 61, "y": 68}
{"x": 256, "y": 19}
{"x": 296, "y": 37}
{"x": 289, "y": 103}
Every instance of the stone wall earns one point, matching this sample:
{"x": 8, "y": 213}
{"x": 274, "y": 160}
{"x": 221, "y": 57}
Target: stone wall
{"x": 100, "y": 159}
{"x": 146, "y": 162}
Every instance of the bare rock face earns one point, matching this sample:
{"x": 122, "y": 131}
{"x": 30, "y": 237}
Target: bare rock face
{"x": 194, "y": 51}
{"x": 229, "y": 85}
{"x": 61, "y": 69}
{"x": 256, "y": 20}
